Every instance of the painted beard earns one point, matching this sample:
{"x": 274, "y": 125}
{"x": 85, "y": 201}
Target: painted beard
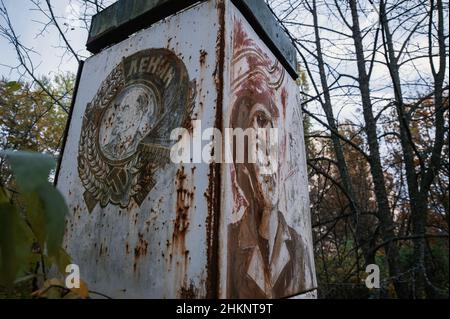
{"x": 269, "y": 189}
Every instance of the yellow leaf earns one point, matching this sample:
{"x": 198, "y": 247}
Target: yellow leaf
{"x": 83, "y": 291}
{"x": 52, "y": 288}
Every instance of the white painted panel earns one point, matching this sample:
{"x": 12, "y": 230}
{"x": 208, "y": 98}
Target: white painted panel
{"x": 156, "y": 248}
{"x": 275, "y": 259}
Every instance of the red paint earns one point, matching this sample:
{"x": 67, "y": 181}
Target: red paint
{"x": 258, "y": 80}
{"x": 240, "y": 37}
{"x": 284, "y": 95}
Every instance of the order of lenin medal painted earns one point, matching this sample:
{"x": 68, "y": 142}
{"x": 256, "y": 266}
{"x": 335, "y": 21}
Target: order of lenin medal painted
{"x": 125, "y": 136}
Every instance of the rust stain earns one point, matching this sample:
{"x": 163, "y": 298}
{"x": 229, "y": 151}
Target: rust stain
{"x": 139, "y": 251}
{"x": 184, "y": 201}
{"x": 176, "y": 253}
{"x": 188, "y": 126}
{"x": 188, "y": 292}
{"x": 187, "y": 123}
{"x": 202, "y": 74}
{"x": 203, "y": 55}
{"x": 284, "y": 95}
{"x": 213, "y": 193}
{"x": 141, "y": 247}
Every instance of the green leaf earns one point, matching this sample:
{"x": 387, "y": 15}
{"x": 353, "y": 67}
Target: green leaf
{"x": 4, "y": 196}
{"x": 45, "y": 211}
{"x": 55, "y": 209}
{"x": 15, "y": 244}
{"x": 31, "y": 170}
{"x": 61, "y": 260}
{"x": 14, "y": 85}
{"x": 36, "y": 217}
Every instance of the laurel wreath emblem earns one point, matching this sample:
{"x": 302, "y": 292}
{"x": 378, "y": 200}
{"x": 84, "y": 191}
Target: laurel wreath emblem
{"x": 118, "y": 182}
{"x": 92, "y": 168}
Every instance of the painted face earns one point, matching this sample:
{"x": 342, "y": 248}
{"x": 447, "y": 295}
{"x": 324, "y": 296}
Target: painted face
{"x": 124, "y": 125}
{"x": 266, "y": 153}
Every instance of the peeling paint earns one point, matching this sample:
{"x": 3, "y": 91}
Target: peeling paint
{"x": 172, "y": 239}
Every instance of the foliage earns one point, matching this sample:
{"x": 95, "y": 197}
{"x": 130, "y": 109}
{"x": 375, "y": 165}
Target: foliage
{"x": 32, "y": 210}
{"x": 29, "y": 118}
{"x": 31, "y": 221}
{"x": 339, "y": 259}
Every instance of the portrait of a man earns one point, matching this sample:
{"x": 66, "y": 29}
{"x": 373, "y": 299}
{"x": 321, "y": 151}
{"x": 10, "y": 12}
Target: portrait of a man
{"x": 268, "y": 253}
{"x": 266, "y": 257}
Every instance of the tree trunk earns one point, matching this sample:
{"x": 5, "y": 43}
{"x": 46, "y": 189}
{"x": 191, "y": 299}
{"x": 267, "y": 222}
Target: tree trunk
{"x": 406, "y": 142}
{"x": 384, "y": 214}
{"x": 369, "y": 257}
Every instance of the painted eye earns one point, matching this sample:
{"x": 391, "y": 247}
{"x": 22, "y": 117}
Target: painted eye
{"x": 261, "y": 120}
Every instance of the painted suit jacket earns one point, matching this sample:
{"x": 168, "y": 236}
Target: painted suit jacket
{"x": 252, "y": 275}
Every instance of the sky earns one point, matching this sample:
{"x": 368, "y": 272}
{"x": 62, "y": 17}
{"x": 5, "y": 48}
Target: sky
{"x": 28, "y": 23}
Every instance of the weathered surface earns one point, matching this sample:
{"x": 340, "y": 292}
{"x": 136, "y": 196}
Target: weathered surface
{"x": 137, "y": 224}
{"x": 265, "y": 234}
{"x": 119, "y": 20}
{"x": 142, "y": 226}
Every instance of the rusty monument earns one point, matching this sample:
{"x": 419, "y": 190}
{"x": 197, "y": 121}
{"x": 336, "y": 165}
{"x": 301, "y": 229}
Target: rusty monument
{"x": 144, "y": 226}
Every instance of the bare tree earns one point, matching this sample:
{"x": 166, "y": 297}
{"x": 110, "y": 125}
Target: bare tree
{"x": 367, "y": 57}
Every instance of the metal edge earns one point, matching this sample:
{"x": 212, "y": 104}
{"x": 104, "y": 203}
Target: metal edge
{"x": 69, "y": 119}
{"x": 215, "y": 170}
{"x": 257, "y": 14}
{"x": 275, "y": 40}
{"x": 116, "y": 33}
